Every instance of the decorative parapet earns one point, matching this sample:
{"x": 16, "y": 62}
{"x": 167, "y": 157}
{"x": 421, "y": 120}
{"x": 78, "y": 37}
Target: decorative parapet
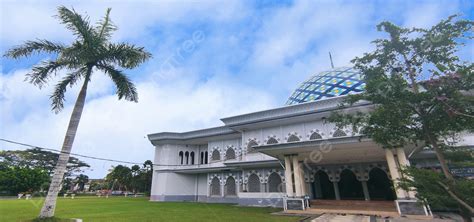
{"x": 209, "y": 132}
{"x": 288, "y": 111}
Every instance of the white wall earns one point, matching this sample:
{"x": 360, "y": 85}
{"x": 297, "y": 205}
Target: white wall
{"x": 165, "y": 183}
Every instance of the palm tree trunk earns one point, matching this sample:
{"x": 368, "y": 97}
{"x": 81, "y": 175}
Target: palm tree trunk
{"x": 54, "y": 188}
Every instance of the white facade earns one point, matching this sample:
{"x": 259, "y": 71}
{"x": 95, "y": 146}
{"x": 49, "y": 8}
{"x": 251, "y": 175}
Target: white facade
{"x": 264, "y": 158}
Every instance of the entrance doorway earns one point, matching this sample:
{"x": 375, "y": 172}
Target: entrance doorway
{"x": 322, "y": 187}
{"x": 349, "y": 187}
{"x": 380, "y": 186}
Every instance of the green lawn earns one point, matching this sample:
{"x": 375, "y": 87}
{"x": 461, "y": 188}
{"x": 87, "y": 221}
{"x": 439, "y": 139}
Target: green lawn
{"x": 136, "y": 209}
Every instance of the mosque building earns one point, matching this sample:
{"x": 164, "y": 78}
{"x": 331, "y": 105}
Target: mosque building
{"x": 288, "y": 157}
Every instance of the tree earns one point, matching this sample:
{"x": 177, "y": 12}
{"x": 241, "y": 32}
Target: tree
{"x": 81, "y": 180}
{"x": 17, "y": 179}
{"x": 120, "y": 177}
{"x": 408, "y": 109}
{"x": 91, "y": 51}
{"x": 37, "y": 158}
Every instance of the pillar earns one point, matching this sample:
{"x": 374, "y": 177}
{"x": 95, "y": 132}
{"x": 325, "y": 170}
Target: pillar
{"x": 298, "y": 179}
{"x": 336, "y": 190}
{"x": 288, "y": 179}
{"x": 365, "y": 189}
{"x": 403, "y": 162}
{"x": 304, "y": 187}
{"x": 394, "y": 173}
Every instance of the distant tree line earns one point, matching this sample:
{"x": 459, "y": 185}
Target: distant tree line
{"x": 28, "y": 171}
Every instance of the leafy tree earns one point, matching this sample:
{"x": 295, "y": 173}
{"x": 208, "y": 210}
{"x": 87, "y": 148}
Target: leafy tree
{"x": 81, "y": 180}
{"x": 37, "y": 158}
{"x": 430, "y": 188}
{"x": 91, "y": 51}
{"x": 17, "y": 179}
{"x": 120, "y": 177}
{"x": 407, "y": 108}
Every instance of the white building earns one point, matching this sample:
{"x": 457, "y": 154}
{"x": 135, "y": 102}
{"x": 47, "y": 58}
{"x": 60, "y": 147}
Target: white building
{"x": 277, "y": 157}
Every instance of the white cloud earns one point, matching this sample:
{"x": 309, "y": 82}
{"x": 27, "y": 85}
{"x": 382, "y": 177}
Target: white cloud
{"x": 116, "y": 129}
{"x": 249, "y": 60}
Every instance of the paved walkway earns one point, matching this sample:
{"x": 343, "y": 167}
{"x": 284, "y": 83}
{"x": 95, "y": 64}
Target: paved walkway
{"x": 363, "y": 218}
{"x": 341, "y": 218}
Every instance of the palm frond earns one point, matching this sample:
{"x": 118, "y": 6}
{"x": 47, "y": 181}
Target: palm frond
{"x": 41, "y": 73}
{"x": 125, "y": 55}
{"x": 105, "y": 26}
{"x": 79, "y": 25}
{"x": 31, "y": 47}
{"x": 125, "y": 87}
{"x": 57, "y": 98}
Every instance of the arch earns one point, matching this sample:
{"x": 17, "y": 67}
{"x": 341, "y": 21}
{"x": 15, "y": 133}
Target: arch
{"x": 202, "y": 158}
{"x": 187, "y": 157}
{"x": 339, "y": 133}
{"x": 216, "y": 155}
{"x": 215, "y": 187}
{"x": 192, "y": 157}
{"x": 293, "y": 138}
{"x": 379, "y": 185}
{"x": 230, "y": 188}
{"x": 253, "y": 183}
{"x": 229, "y": 154}
{"x": 272, "y": 140}
{"x": 274, "y": 183}
{"x": 206, "y": 156}
{"x": 181, "y": 157}
{"x": 349, "y": 187}
{"x": 250, "y": 146}
{"x": 315, "y": 136}
{"x": 322, "y": 187}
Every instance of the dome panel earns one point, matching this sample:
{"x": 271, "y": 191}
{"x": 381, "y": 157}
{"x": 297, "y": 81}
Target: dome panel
{"x": 327, "y": 84}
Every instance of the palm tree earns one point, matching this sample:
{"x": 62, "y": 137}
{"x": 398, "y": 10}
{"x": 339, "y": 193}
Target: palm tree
{"x": 91, "y": 51}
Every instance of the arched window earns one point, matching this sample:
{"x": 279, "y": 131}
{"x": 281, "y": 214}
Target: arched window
{"x": 250, "y": 146}
{"x": 274, "y": 183}
{"x": 192, "y": 158}
{"x": 202, "y": 158}
{"x": 215, "y": 187}
{"x": 216, "y": 155}
{"x": 254, "y": 183}
{"x": 339, "y": 133}
{"x": 187, "y": 157}
{"x": 293, "y": 138}
{"x": 315, "y": 136}
{"x": 230, "y": 154}
{"x": 230, "y": 187}
{"x": 181, "y": 157}
{"x": 272, "y": 141}
{"x": 206, "y": 155}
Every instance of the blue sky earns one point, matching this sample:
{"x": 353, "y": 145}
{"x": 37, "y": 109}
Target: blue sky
{"x": 211, "y": 59}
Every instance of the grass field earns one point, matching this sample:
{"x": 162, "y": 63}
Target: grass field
{"x": 136, "y": 209}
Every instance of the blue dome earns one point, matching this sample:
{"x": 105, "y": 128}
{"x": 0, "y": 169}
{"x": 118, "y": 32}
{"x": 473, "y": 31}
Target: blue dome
{"x": 332, "y": 83}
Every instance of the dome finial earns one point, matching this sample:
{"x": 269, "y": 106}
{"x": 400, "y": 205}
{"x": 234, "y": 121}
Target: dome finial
{"x": 330, "y": 58}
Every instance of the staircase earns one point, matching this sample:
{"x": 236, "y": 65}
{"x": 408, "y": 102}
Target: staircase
{"x": 378, "y": 208}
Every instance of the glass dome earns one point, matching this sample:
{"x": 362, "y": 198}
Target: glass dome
{"x": 332, "y": 83}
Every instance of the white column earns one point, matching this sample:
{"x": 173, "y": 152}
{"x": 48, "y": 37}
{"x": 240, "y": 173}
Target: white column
{"x": 288, "y": 179}
{"x": 297, "y": 174}
{"x": 394, "y": 173}
{"x": 403, "y": 161}
{"x": 336, "y": 190}
{"x": 304, "y": 190}
{"x": 365, "y": 189}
